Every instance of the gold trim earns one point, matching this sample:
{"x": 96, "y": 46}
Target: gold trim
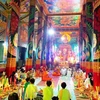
{"x": 3, "y": 24}
{"x": 4, "y": 13}
{"x": 3, "y": 5}
{"x": 63, "y": 14}
{"x": 96, "y": 4}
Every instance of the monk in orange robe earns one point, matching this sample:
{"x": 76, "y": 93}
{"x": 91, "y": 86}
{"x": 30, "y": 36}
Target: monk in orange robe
{"x": 56, "y": 72}
{"x": 37, "y": 73}
{"x": 45, "y": 76}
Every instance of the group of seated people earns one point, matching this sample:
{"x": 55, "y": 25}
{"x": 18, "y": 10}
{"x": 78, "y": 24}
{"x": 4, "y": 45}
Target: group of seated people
{"x": 43, "y": 73}
{"x": 57, "y": 71}
{"x": 31, "y": 91}
{"x": 84, "y": 83}
{"x": 20, "y": 75}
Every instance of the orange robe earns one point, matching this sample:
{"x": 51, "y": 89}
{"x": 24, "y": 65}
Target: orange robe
{"x": 38, "y": 73}
{"x": 56, "y": 72}
{"x": 45, "y": 76}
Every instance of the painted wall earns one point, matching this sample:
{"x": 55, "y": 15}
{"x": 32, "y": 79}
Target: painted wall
{"x": 1, "y": 51}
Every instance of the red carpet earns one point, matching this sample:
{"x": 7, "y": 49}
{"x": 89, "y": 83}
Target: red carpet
{"x": 55, "y": 80}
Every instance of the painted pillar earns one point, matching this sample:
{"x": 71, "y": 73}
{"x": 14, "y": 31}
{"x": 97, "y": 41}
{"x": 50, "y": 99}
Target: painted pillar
{"x": 89, "y": 26}
{"x": 30, "y": 34}
{"x": 48, "y": 44}
{"x": 96, "y": 27}
{"x": 80, "y": 43}
{"x": 82, "y": 36}
{"x": 96, "y": 44}
{"x": 13, "y": 37}
{"x": 43, "y": 53}
{"x": 88, "y": 35}
{"x": 39, "y": 37}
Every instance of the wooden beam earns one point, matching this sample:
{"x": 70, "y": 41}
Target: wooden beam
{"x": 66, "y": 29}
{"x": 24, "y": 12}
{"x": 64, "y": 14}
{"x": 21, "y": 18}
{"x": 72, "y": 35}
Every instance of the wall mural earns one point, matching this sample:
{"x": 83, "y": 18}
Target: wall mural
{"x": 63, "y": 6}
{"x": 3, "y": 22}
{"x": 65, "y": 21}
{"x": 23, "y": 38}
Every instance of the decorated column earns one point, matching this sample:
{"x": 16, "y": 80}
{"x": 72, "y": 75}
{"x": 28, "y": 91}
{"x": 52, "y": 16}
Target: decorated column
{"x": 13, "y": 37}
{"x": 96, "y": 44}
{"x": 89, "y": 28}
{"x": 83, "y": 36}
{"x": 39, "y": 37}
{"x": 48, "y": 44}
{"x": 43, "y": 53}
{"x": 30, "y": 34}
{"x": 87, "y": 35}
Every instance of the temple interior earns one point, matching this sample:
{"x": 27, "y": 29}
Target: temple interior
{"x": 50, "y": 40}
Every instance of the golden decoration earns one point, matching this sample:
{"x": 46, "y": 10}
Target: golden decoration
{"x": 66, "y": 35}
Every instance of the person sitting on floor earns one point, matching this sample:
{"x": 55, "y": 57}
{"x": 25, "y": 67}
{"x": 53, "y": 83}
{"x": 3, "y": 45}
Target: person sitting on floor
{"x": 17, "y": 75}
{"x": 45, "y": 76}
{"x": 56, "y": 71}
{"x": 39, "y": 72}
{"x": 26, "y": 84}
{"x": 48, "y": 91}
{"x": 31, "y": 90}
{"x": 64, "y": 93}
{"x": 31, "y": 73}
{"x": 5, "y": 81}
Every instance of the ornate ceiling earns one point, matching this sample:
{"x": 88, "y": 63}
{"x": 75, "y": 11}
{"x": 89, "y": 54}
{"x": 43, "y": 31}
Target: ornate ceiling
{"x": 65, "y": 21}
{"x": 61, "y": 6}
{"x": 63, "y": 15}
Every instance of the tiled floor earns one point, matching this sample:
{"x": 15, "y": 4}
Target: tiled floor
{"x": 69, "y": 82}
{"x": 70, "y": 87}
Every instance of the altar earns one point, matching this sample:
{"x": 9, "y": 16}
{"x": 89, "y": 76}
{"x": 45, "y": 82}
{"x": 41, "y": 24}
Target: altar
{"x": 64, "y": 64}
